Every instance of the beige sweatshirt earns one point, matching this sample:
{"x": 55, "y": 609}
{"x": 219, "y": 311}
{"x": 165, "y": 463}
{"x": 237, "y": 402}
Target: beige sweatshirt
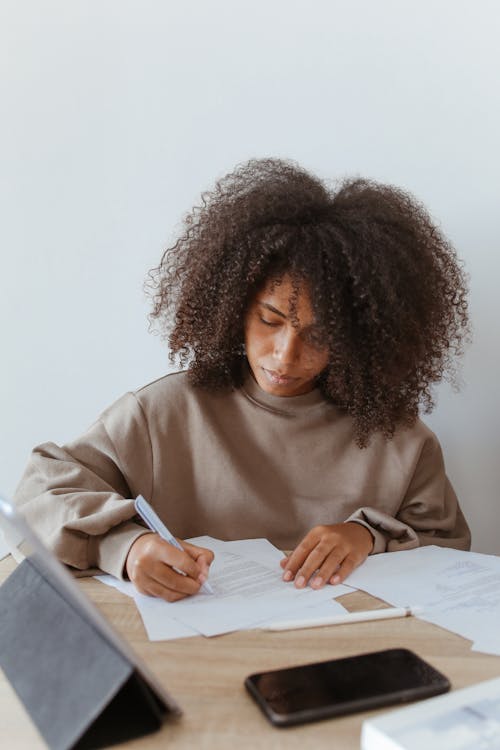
{"x": 234, "y": 465}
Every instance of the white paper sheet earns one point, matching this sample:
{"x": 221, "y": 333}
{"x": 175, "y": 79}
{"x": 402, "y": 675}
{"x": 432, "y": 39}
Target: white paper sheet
{"x": 249, "y": 592}
{"x": 159, "y": 627}
{"x": 246, "y": 592}
{"x": 466, "y": 719}
{"x": 152, "y": 611}
{"x": 459, "y": 591}
{"x": 264, "y": 552}
{"x": 126, "y": 587}
{"x": 255, "y": 549}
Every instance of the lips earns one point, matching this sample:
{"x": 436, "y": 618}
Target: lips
{"x": 278, "y": 378}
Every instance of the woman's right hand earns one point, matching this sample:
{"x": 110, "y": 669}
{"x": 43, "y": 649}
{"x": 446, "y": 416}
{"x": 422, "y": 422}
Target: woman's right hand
{"x": 150, "y": 566}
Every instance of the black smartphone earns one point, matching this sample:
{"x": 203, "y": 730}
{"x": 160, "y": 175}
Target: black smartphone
{"x": 296, "y": 695}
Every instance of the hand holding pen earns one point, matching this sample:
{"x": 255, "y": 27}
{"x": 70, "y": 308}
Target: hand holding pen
{"x": 160, "y": 566}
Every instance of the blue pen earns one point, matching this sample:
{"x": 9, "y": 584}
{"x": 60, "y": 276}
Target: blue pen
{"x": 155, "y": 523}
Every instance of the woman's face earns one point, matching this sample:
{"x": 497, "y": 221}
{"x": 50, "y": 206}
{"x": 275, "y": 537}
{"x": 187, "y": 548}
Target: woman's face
{"x": 285, "y": 359}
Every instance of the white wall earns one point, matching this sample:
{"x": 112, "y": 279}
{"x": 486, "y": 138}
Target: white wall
{"x": 115, "y": 115}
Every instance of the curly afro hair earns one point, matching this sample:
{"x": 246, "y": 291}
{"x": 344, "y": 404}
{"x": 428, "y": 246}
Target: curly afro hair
{"x": 388, "y": 293}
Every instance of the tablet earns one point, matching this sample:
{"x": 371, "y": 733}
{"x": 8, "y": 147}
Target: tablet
{"x": 56, "y": 644}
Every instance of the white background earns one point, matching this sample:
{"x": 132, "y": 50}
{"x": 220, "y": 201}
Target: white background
{"x": 115, "y": 115}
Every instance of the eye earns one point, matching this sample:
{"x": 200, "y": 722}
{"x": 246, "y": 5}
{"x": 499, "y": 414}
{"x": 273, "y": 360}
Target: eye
{"x": 268, "y": 322}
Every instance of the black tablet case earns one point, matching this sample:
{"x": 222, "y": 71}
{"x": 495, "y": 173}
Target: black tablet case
{"x": 79, "y": 689}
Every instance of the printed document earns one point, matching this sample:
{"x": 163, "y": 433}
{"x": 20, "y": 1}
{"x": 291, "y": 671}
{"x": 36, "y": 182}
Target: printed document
{"x": 459, "y": 591}
{"x": 248, "y": 592}
{"x": 466, "y": 719}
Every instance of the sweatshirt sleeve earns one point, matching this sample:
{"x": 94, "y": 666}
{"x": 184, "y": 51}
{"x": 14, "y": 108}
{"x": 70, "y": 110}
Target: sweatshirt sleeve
{"x": 79, "y": 497}
{"x": 428, "y": 514}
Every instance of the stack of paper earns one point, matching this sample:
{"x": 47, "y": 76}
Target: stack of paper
{"x": 459, "y": 591}
{"x": 248, "y": 592}
{"x": 467, "y": 719}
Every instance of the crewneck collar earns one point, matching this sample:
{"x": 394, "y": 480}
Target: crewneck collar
{"x": 291, "y": 405}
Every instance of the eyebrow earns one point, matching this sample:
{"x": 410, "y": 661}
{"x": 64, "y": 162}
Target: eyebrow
{"x": 275, "y": 310}
{"x": 272, "y": 309}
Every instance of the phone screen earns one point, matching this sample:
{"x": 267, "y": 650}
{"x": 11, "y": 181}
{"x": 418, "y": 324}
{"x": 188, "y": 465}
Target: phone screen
{"x": 341, "y": 686}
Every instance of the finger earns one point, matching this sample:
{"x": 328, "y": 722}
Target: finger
{"x": 157, "y": 590}
{"x": 204, "y": 566}
{"x": 180, "y": 559}
{"x": 169, "y": 578}
{"x": 297, "y": 558}
{"x": 157, "y": 563}
{"x": 322, "y": 561}
{"x": 202, "y": 556}
{"x": 344, "y": 570}
{"x": 150, "y": 566}
{"x": 329, "y": 569}
{"x": 147, "y": 585}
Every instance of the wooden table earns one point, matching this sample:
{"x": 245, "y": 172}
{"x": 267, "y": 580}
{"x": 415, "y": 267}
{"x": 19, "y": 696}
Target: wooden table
{"x": 205, "y": 676}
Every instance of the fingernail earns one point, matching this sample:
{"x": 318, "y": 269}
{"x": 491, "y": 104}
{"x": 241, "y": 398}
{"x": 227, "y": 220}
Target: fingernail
{"x": 287, "y": 575}
{"x": 300, "y": 582}
{"x": 335, "y": 579}
{"x": 202, "y": 578}
{"x": 317, "y": 583}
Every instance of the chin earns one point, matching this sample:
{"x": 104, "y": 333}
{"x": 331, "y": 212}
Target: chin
{"x": 282, "y": 390}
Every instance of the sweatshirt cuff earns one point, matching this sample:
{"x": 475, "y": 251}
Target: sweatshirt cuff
{"x": 379, "y": 540}
{"x": 110, "y": 551}
{"x": 384, "y": 528}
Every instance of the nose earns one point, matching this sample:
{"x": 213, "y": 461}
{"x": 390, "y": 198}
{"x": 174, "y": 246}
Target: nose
{"x": 287, "y": 346}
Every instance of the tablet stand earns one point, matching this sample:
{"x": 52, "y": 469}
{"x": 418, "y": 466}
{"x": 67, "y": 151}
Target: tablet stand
{"x": 79, "y": 689}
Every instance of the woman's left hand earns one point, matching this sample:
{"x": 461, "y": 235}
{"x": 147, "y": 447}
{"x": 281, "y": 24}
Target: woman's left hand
{"x": 329, "y": 553}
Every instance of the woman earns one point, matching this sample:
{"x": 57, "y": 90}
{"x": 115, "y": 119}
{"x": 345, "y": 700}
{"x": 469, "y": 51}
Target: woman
{"x": 313, "y": 324}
